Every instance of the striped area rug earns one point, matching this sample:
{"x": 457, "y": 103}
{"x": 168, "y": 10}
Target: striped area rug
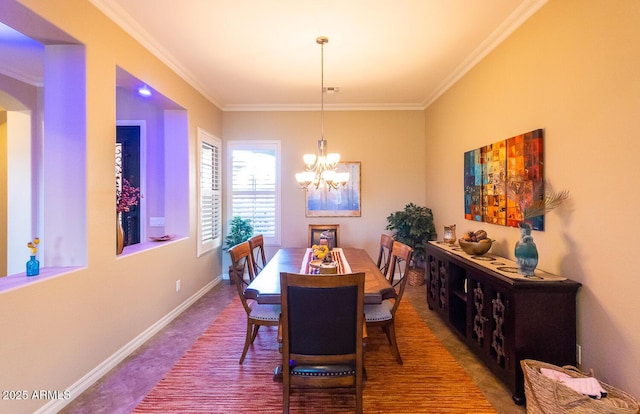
{"x": 208, "y": 378}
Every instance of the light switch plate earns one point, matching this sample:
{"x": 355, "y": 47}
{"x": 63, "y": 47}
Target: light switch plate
{"x": 156, "y": 221}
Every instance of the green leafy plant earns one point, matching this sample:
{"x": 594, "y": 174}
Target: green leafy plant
{"x": 414, "y": 227}
{"x": 241, "y": 231}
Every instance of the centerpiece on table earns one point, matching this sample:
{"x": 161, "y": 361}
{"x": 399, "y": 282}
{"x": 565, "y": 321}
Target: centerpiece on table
{"x": 322, "y": 254}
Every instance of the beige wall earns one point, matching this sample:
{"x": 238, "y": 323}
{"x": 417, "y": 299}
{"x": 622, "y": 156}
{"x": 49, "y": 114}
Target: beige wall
{"x": 574, "y": 70}
{"x": 389, "y": 145}
{"x": 57, "y": 331}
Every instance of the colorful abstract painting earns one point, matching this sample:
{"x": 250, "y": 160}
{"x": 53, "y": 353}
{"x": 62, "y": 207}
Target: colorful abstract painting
{"x": 525, "y": 180}
{"x": 473, "y": 185}
{"x": 503, "y": 178}
{"x": 494, "y": 184}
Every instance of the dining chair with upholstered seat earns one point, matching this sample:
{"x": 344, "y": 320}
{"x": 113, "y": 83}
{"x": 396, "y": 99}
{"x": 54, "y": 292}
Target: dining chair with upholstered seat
{"x": 383, "y": 314}
{"x": 322, "y": 330}
{"x": 257, "y": 314}
{"x": 316, "y": 230}
{"x": 384, "y": 255}
{"x": 256, "y": 243}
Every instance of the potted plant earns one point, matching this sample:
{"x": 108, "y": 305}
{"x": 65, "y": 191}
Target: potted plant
{"x": 240, "y": 231}
{"x": 414, "y": 227}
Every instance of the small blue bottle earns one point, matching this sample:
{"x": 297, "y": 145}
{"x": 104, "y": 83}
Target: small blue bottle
{"x": 33, "y": 267}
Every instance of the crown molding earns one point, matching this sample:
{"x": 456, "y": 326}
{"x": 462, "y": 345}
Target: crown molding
{"x": 314, "y": 107}
{"x": 514, "y": 21}
{"x": 129, "y": 25}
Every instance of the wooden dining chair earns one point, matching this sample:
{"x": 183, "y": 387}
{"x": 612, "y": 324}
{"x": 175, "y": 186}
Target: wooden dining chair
{"x": 256, "y": 243}
{"x": 257, "y": 314}
{"x": 322, "y": 330}
{"x": 383, "y": 314}
{"x": 316, "y": 230}
{"x": 384, "y": 255}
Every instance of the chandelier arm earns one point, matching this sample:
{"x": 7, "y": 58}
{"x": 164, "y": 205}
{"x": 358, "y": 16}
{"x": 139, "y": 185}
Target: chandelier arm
{"x": 314, "y": 166}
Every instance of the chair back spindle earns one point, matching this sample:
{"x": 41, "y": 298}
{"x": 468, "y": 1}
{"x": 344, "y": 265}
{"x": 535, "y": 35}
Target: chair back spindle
{"x": 384, "y": 255}
{"x": 256, "y": 244}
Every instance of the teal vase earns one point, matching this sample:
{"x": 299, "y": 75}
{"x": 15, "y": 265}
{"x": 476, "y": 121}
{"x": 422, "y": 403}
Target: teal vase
{"x": 526, "y": 251}
{"x": 33, "y": 267}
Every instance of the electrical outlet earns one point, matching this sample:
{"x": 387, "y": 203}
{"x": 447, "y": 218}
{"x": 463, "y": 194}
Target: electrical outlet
{"x": 578, "y": 354}
{"x": 178, "y": 285}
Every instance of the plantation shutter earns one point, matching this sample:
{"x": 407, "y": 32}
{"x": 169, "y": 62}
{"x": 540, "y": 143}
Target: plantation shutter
{"x": 210, "y": 194}
{"x": 254, "y": 184}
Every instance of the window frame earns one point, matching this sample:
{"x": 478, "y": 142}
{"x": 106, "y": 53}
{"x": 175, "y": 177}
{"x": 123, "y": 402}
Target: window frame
{"x": 204, "y": 246}
{"x": 256, "y": 145}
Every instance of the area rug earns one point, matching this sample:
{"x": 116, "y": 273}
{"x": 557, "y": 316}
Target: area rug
{"x": 208, "y": 378}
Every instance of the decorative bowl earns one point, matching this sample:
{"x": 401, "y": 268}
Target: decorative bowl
{"x": 315, "y": 263}
{"x": 475, "y": 248}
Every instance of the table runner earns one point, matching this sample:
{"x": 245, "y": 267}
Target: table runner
{"x": 336, "y": 254}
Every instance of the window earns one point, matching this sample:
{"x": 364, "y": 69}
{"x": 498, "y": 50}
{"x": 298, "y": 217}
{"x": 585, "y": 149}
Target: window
{"x": 254, "y": 182}
{"x": 210, "y": 195}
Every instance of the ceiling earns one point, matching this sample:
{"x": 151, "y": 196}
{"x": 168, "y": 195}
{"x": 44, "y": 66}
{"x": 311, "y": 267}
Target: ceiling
{"x": 263, "y": 55}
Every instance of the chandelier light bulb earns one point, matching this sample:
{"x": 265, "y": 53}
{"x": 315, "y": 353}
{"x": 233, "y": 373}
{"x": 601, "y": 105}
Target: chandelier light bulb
{"x": 305, "y": 178}
{"x": 333, "y": 159}
{"x": 309, "y": 160}
{"x": 329, "y": 176}
{"x": 342, "y": 178}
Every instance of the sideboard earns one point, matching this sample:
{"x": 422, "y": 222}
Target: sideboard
{"x": 503, "y": 316}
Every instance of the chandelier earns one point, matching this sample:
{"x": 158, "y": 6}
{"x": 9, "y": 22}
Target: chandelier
{"x": 322, "y": 168}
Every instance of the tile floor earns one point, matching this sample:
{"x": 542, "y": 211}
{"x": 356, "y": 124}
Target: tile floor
{"x": 126, "y": 385}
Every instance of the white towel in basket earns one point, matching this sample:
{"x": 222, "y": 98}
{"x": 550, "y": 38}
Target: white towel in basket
{"x": 587, "y": 385}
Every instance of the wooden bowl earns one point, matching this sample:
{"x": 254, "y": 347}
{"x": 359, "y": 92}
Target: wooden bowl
{"x": 475, "y": 248}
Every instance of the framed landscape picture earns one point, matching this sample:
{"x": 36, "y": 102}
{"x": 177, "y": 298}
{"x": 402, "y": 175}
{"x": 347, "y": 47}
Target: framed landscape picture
{"x": 340, "y": 202}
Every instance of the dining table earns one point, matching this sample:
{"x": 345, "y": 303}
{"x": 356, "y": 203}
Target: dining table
{"x": 265, "y": 287}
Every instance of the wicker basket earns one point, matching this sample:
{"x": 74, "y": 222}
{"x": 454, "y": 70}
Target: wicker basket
{"x": 416, "y": 276}
{"x": 547, "y": 396}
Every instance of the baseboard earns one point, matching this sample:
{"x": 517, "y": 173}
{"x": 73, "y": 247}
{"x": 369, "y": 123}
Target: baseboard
{"x": 107, "y": 365}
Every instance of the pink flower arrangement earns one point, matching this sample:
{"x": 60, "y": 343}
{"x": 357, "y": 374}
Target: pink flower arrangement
{"x": 127, "y": 197}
